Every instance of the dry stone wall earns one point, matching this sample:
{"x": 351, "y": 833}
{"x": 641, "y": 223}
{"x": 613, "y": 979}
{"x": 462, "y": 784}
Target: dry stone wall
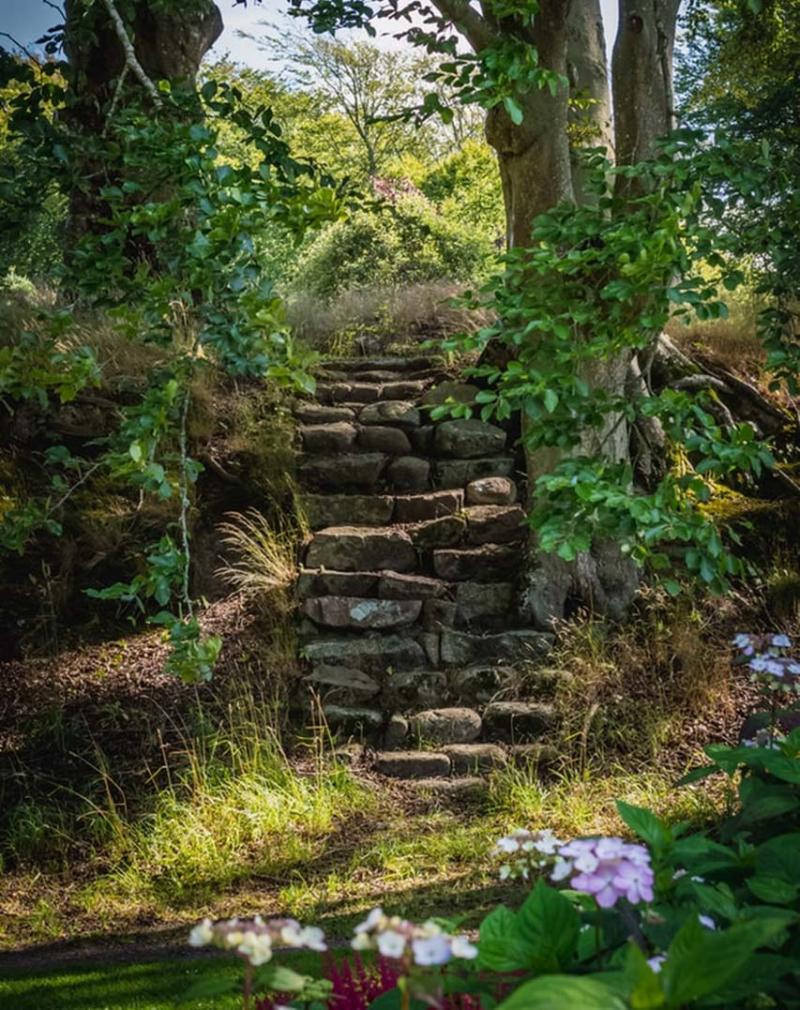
{"x": 408, "y": 581}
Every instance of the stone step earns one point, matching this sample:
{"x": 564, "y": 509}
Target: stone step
{"x": 491, "y": 491}
{"x": 468, "y": 438}
{"x": 487, "y": 563}
{"x": 371, "y": 653}
{"x": 323, "y": 510}
{"x": 355, "y": 613}
{"x": 459, "y": 648}
{"x": 412, "y": 764}
{"x": 386, "y": 585}
{"x": 409, "y": 473}
{"x": 401, "y": 413}
{"x": 391, "y": 363}
{"x": 484, "y": 604}
{"x": 475, "y": 758}
{"x": 330, "y": 393}
{"x": 343, "y": 685}
{"x": 308, "y": 412}
{"x": 445, "y": 725}
{"x": 448, "y": 531}
{"x": 495, "y": 524}
{"x": 457, "y": 473}
{"x": 359, "y": 548}
{"x": 517, "y": 721}
{"x": 458, "y": 791}
{"x": 359, "y": 471}
{"x": 380, "y": 438}
{"x": 415, "y": 508}
{"x": 336, "y": 436}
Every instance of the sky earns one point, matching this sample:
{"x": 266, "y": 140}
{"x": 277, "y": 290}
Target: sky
{"x": 27, "y": 20}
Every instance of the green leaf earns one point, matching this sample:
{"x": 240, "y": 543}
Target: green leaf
{"x": 513, "y": 109}
{"x": 550, "y": 400}
{"x": 549, "y": 925}
{"x": 500, "y": 947}
{"x": 646, "y": 992}
{"x": 646, "y": 825}
{"x": 773, "y": 890}
{"x": 562, "y": 992}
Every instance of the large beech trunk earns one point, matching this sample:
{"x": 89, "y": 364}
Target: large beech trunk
{"x": 168, "y": 45}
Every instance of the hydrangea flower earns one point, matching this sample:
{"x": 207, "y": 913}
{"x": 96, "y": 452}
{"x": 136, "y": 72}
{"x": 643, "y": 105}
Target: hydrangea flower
{"x": 608, "y": 868}
{"x": 254, "y": 939}
{"x": 525, "y": 851}
{"x": 767, "y": 658}
{"x": 401, "y": 940}
{"x": 657, "y": 962}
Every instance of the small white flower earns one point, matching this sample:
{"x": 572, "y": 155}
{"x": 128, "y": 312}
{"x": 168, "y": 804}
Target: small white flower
{"x": 781, "y": 641}
{"x": 430, "y": 950}
{"x": 202, "y": 934}
{"x": 706, "y": 921}
{"x": 313, "y": 938}
{"x": 508, "y": 844}
{"x": 361, "y": 941}
{"x": 656, "y": 962}
{"x": 561, "y": 870}
{"x": 461, "y": 947}
{"x": 505, "y": 871}
{"x": 391, "y": 943}
{"x": 375, "y": 918}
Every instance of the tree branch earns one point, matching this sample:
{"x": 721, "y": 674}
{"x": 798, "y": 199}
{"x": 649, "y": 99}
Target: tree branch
{"x": 131, "y": 59}
{"x": 472, "y": 25}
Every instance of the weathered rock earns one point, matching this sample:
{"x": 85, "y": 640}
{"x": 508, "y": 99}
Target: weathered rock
{"x": 495, "y": 524}
{"x": 468, "y": 438}
{"x": 349, "y": 754}
{"x": 478, "y": 685}
{"x": 484, "y": 603}
{"x": 407, "y": 389}
{"x": 390, "y": 363}
{"x": 409, "y": 473}
{"x": 516, "y": 721}
{"x": 336, "y": 437}
{"x": 343, "y": 684}
{"x": 356, "y": 613}
{"x": 539, "y": 755}
{"x": 415, "y": 508}
{"x": 396, "y": 732}
{"x": 437, "y": 614}
{"x": 444, "y": 532}
{"x": 489, "y": 563}
{"x": 379, "y": 438}
{"x": 347, "y": 470}
{"x": 343, "y": 718}
{"x": 459, "y": 647}
{"x": 448, "y": 473}
{"x": 409, "y": 689}
{"x": 412, "y": 764}
{"x": 431, "y": 643}
{"x": 475, "y": 758}
{"x": 491, "y": 491}
{"x": 319, "y": 583}
{"x": 317, "y": 413}
{"x": 359, "y": 548}
{"x": 398, "y": 412}
{"x": 370, "y": 653}
{"x": 395, "y": 586}
{"x": 446, "y": 725}
{"x": 323, "y": 510}
{"x": 332, "y": 392}
{"x": 460, "y": 392}
{"x": 422, "y": 438}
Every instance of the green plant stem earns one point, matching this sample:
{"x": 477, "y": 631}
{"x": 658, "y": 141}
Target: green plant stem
{"x": 247, "y": 988}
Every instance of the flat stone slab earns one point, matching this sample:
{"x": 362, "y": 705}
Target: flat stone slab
{"x": 468, "y": 438}
{"x": 459, "y": 647}
{"x": 540, "y": 755}
{"x": 466, "y": 789}
{"x": 445, "y": 532}
{"x": 446, "y": 725}
{"x": 412, "y": 764}
{"x": 477, "y": 685}
{"x": 450, "y": 473}
{"x": 323, "y": 510}
{"x": 475, "y": 758}
{"x": 361, "y": 470}
{"x": 318, "y": 413}
{"x": 397, "y": 412}
{"x": 396, "y": 586}
{"x": 361, "y": 548}
{"x": 374, "y": 654}
{"x": 393, "y": 363}
{"x": 488, "y": 563}
{"x": 312, "y": 582}
{"x": 459, "y": 392}
{"x": 415, "y": 508}
{"x": 437, "y": 614}
{"x": 356, "y": 613}
{"x": 484, "y": 602}
{"x": 491, "y": 491}
{"x": 409, "y": 473}
{"x": 380, "y": 438}
{"x": 338, "y": 436}
{"x": 407, "y": 689}
{"x": 404, "y": 389}
{"x": 344, "y": 718}
{"x": 516, "y": 721}
{"x": 495, "y": 524}
{"x": 343, "y": 683}
{"x": 352, "y": 392}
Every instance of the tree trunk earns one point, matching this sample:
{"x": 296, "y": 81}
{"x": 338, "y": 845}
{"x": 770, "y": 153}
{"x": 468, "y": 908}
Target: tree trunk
{"x": 169, "y": 46}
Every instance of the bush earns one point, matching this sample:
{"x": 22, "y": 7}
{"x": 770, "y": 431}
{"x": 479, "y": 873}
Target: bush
{"x": 406, "y": 243}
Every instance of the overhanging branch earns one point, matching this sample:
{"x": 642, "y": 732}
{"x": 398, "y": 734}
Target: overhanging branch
{"x": 472, "y": 25}
{"x": 131, "y": 59}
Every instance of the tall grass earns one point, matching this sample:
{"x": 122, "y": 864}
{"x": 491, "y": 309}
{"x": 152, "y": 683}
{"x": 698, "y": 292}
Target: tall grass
{"x": 264, "y": 559}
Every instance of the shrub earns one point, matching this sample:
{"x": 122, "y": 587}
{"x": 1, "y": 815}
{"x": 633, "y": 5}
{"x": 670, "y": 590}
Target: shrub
{"x": 405, "y": 243}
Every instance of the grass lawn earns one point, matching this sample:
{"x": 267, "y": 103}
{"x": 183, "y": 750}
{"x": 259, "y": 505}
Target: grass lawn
{"x": 157, "y": 985}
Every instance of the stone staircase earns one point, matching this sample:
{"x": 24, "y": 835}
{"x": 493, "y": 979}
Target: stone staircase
{"x": 407, "y": 586}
